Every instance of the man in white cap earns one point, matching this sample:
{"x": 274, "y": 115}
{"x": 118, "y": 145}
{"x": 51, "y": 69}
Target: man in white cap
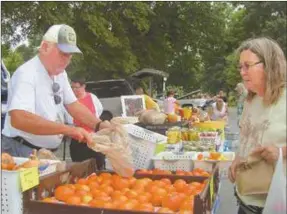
{"x": 38, "y": 92}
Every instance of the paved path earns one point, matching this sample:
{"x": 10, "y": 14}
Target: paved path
{"x": 227, "y": 200}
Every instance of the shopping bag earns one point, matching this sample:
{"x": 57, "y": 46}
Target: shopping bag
{"x": 254, "y": 176}
{"x": 113, "y": 142}
{"x": 276, "y": 198}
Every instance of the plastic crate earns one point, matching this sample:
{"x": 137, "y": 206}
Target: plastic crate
{"x": 143, "y": 145}
{"x": 11, "y": 195}
{"x": 174, "y": 161}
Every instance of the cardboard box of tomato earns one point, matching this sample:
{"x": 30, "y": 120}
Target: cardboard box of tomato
{"x": 83, "y": 189}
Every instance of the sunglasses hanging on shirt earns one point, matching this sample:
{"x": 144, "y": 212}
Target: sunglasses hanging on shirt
{"x": 56, "y": 89}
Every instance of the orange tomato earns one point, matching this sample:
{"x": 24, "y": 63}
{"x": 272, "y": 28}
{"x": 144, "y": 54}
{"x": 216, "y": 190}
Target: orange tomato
{"x": 131, "y": 194}
{"x": 62, "y": 193}
{"x": 187, "y": 204}
{"x": 73, "y": 200}
{"x": 144, "y": 171}
{"x": 92, "y": 177}
{"x": 119, "y": 183}
{"x": 166, "y": 181}
{"x": 82, "y": 181}
{"x": 109, "y": 205}
{"x": 121, "y": 198}
{"x": 180, "y": 185}
{"x": 50, "y": 200}
{"x": 93, "y": 185}
{"x": 107, "y": 189}
{"x": 105, "y": 175}
{"x": 164, "y": 210}
{"x": 97, "y": 193}
{"x": 144, "y": 197}
{"x": 200, "y": 156}
{"x": 179, "y": 172}
{"x": 132, "y": 181}
{"x": 129, "y": 205}
{"x": 97, "y": 203}
{"x": 159, "y": 183}
{"x": 172, "y": 201}
{"x": 147, "y": 207}
{"x": 82, "y": 187}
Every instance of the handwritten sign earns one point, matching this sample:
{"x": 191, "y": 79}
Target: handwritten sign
{"x": 211, "y": 188}
{"x": 131, "y": 105}
{"x": 29, "y": 178}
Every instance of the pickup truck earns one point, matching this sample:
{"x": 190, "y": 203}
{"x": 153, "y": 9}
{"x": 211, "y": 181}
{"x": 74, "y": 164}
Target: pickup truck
{"x": 109, "y": 93}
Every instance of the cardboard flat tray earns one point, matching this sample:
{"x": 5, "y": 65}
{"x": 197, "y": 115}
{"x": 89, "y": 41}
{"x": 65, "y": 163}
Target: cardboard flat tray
{"x": 32, "y": 204}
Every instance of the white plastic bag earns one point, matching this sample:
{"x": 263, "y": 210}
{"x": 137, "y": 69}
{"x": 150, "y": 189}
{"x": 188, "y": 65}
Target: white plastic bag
{"x": 113, "y": 142}
{"x": 276, "y": 198}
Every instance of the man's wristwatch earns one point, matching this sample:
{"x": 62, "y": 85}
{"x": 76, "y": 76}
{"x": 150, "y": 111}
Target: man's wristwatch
{"x": 98, "y": 126}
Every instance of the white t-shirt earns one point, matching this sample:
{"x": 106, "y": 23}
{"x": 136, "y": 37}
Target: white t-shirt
{"x": 168, "y": 105}
{"x": 262, "y": 125}
{"x": 30, "y": 89}
{"x": 218, "y": 114}
{"x": 97, "y": 104}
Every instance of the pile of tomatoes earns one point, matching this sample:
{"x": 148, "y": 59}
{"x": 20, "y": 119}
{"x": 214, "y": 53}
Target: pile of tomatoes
{"x": 115, "y": 192}
{"x": 194, "y": 172}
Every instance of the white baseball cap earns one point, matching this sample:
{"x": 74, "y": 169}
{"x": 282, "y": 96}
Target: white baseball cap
{"x": 64, "y": 36}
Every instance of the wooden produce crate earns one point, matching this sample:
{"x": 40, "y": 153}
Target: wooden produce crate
{"x": 33, "y": 205}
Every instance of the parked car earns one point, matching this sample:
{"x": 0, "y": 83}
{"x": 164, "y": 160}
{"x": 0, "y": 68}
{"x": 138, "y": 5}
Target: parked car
{"x": 5, "y": 77}
{"x": 109, "y": 93}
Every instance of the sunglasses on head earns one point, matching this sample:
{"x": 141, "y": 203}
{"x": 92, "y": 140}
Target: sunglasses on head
{"x": 55, "y": 89}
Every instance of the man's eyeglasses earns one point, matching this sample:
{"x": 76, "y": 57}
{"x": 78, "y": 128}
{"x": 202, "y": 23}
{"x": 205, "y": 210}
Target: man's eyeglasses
{"x": 55, "y": 89}
{"x": 245, "y": 67}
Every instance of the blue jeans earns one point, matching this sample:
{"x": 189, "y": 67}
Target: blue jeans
{"x": 15, "y": 148}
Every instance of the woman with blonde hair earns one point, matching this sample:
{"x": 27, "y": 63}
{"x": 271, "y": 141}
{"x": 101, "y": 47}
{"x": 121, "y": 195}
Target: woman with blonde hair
{"x": 262, "y": 66}
{"x": 241, "y": 94}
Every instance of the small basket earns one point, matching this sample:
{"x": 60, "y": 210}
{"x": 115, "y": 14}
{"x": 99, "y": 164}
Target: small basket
{"x": 174, "y": 161}
{"x": 143, "y": 145}
{"x": 11, "y": 195}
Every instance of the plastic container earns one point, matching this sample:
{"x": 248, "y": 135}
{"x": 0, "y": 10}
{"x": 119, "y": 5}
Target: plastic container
{"x": 209, "y": 164}
{"x": 173, "y": 161}
{"x": 11, "y": 194}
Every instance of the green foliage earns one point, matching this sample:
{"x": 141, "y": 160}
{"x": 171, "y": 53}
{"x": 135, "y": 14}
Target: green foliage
{"x": 193, "y": 41}
{"x": 13, "y": 60}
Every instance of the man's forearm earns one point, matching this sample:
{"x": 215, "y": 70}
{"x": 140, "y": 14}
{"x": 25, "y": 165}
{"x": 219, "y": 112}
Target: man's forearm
{"x": 81, "y": 113}
{"x": 34, "y": 124}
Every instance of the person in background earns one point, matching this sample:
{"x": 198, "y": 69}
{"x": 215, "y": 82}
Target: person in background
{"x": 149, "y": 103}
{"x": 262, "y": 66}
{"x": 170, "y": 103}
{"x": 80, "y": 151}
{"x": 241, "y": 96}
{"x": 222, "y": 95}
{"x": 218, "y": 111}
{"x": 38, "y": 91}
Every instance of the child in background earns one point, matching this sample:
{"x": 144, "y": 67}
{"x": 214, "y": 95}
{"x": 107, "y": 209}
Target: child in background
{"x": 170, "y": 103}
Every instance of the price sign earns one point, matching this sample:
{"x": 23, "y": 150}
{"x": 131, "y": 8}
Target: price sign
{"x": 29, "y": 178}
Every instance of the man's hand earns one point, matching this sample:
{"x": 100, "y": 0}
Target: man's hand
{"x": 268, "y": 153}
{"x": 79, "y": 134}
